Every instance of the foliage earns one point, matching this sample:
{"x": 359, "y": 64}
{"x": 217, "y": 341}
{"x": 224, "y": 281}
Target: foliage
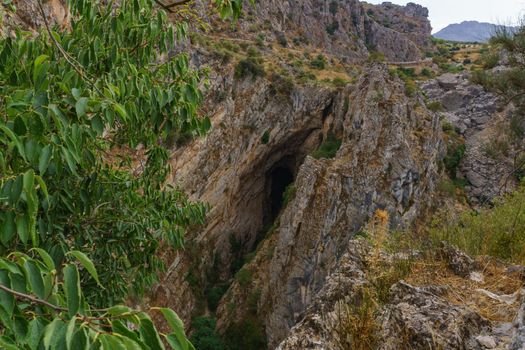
{"x": 42, "y": 306}
{"x": 215, "y": 294}
{"x": 282, "y": 84}
{"x": 244, "y": 277}
{"x": 497, "y": 231}
{"x": 204, "y": 336}
{"x": 435, "y": 106}
{"x": 246, "y": 334}
{"x": 328, "y": 149}
{"x": 456, "y": 149}
{"x": 319, "y": 62}
{"x": 265, "y": 138}
{"x": 289, "y": 194}
{"x": 76, "y": 105}
{"x": 249, "y": 67}
{"x": 332, "y": 27}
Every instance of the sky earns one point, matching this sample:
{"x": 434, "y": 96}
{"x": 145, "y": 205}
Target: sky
{"x": 445, "y": 12}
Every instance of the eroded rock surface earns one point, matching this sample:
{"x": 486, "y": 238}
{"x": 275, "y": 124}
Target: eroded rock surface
{"x": 479, "y": 117}
{"x": 382, "y": 164}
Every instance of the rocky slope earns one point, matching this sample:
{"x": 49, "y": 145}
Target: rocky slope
{"x": 480, "y": 118}
{"x": 347, "y": 28}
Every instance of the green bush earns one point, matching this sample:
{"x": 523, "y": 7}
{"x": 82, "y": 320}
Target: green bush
{"x": 498, "y": 232}
{"x": 215, "y": 294}
{"x": 282, "y": 84}
{"x": 244, "y": 277}
{"x": 289, "y": 194}
{"x": 435, "y": 106}
{"x": 246, "y": 334}
{"x": 339, "y": 82}
{"x": 328, "y": 149}
{"x": 332, "y": 28}
{"x": 204, "y": 336}
{"x": 319, "y": 62}
{"x": 265, "y": 138}
{"x": 249, "y": 67}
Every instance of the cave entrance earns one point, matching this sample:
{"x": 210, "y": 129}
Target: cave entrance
{"x": 279, "y": 179}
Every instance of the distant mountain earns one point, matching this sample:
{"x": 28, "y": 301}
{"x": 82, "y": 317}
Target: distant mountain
{"x": 468, "y": 31}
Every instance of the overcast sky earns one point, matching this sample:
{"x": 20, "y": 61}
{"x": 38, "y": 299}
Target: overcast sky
{"x": 445, "y": 12}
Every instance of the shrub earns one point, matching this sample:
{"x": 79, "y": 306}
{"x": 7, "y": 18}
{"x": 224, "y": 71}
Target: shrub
{"x": 265, "y": 138}
{"x": 281, "y": 39}
{"x": 332, "y": 28}
{"x": 215, "y": 294}
{"x": 498, "y": 232}
{"x": 282, "y": 84}
{"x": 333, "y": 7}
{"x": 249, "y": 67}
{"x": 435, "y": 106}
{"x": 244, "y": 277}
{"x": 427, "y": 73}
{"x": 319, "y": 62}
{"x": 246, "y": 334}
{"x": 455, "y": 153}
{"x": 339, "y": 82}
{"x": 204, "y": 336}
{"x": 328, "y": 149}
{"x": 289, "y": 194}
{"x": 376, "y": 56}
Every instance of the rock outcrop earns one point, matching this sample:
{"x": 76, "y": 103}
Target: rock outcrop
{"x": 479, "y": 117}
{"x": 345, "y": 28}
{"x": 383, "y": 163}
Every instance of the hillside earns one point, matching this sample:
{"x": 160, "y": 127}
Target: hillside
{"x": 467, "y": 31}
{"x": 295, "y": 174}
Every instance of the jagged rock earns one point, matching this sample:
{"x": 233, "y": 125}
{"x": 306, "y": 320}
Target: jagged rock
{"x": 459, "y": 262}
{"x": 345, "y": 28}
{"x": 448, "y": 81}
{"x": 29, "y": 16}
{"x": 418, "y": 319}
{"x": 486, "y": 341}
{"x": 477, "y": 115}
{"x": 381, "y": 164}
{"x": 518, "y": 338}
{"x": 318, "y": 329}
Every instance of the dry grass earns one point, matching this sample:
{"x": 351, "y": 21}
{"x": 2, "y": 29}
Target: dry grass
{"x": 466, "y": 292}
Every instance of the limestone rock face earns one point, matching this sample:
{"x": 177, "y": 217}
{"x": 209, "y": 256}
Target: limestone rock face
{"x": 29, "y": 16}
{"x": 346, "y": 28}
{"x": 478, "y": 116}
{"x": 421, "y": 319}
{"x": 382, "y": 164}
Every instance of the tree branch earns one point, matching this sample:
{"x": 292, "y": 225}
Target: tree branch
{"x": 168, "y": 7}
{"x": 31, "y": 298}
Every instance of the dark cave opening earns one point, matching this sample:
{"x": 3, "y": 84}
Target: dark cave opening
{"x": 279, "y": 179}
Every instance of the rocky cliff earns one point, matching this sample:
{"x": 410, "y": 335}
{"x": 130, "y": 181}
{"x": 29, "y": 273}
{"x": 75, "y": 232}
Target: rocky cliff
{"x": 347, "y": 28}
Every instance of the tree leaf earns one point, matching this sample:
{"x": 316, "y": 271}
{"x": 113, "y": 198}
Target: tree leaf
{"x": 97, "y": 125}
{"x": 35, "y": 279}
{"x": 81, "y": 106}
{"x": 15, "y": 139}
{"x": 72, "y": 289}
{"x": 87, "y": 263}
{"x": 50, "y": 331}
{"x": 7, "y": 300}
{"x": 22, "y": 227}
{"x": 46, "y": 258}
{"x": 176, "y": 325}
{"x": 44, "y": 159}
{"x": 149, "y": 334}
{"x": 8, "y": 228}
